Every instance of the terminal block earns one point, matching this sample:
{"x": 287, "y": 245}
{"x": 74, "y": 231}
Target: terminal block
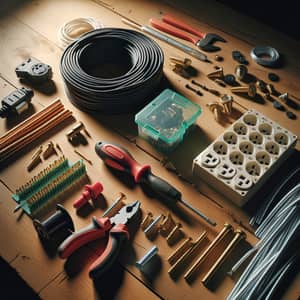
{"x": 240, "y": 160}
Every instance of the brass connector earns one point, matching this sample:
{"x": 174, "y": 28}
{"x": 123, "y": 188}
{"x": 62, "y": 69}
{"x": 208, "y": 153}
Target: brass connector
{"x": 219, "y": 73}
{"x": 239, "y": 236}
{"x": 250, "y": 89}
{"x": 227, "y": 101}
{"x": 185, "y": 63}
{"x": 216, "y": 109}
{"x": 50, "y": 150}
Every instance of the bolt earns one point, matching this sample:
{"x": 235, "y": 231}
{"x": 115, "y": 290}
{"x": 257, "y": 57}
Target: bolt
{"x": 146, "y": 258}
{"x": 76, "y": 130}
{"x": 227, "y": 101}
{"x": 59, "y": 148}
{"x": 177, "y": 253}
{"x": 216, "y": 109}
{"x": 250, "y": 90}
{"x": 147, "y": 220}
{"x": 194, "y": 90}
{"x": 153, "y": 227}
{"x": 219, "y": 73}
{"x": 173, "y": 234}
{"x": 115, "y": 207}
{"x": 239, "y": 236}
{"x": 183, "y": 63}
{"x": 241, "y": 71}
{"x": 167, "y": 225}
{"x": 50, "y": 150}
{"x": 220, "y": 237}
{"x": 189, "y": 253}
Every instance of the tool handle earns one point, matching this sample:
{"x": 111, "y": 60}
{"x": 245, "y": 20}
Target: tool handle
{"x": 117, "y": 236}
{"x": 94, "y": 231}
{"x": 182, "y": 25}
{"x": 172, "y": 30}
{"x": 164, "y": 190}
{"x": 120, "y": 159}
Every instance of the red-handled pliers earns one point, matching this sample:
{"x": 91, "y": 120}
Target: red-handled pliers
{"x": 115, "y": 227}
{"x": 180, "y": 29}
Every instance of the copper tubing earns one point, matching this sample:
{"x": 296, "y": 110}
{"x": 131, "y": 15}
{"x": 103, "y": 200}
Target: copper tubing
{"x": 187, "y": 254}
{"x": 239, "y": 235}
{"x": 31, "y": 122}
{"x": 222, "y": 234}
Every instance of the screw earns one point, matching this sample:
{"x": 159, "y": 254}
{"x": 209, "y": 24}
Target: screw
{"x": 146, "y": 258}
{"x": 250, "y": 90}
{"x": 219, "y": 73}
{"x": 147, "y": 220}
{"x": 241, "y": 71}
{"x": 223, "y": 233}
{"x": 173, "y": 234}
{"x": 49, "y": 150}
{"x": 194, "y": 90}
{"x": 239, "y": 235}
{"x": 200, "y": 85}
{"x": 59, "y": 148}
{"x": 226, "y": 101}
{"x": 177, "y": 253}
{"x": 216, "y": 108}
{"x": 167, "y": 225}
{"x": 34, "y": 162}
{"x": 37, "y": 152}
{"x": 184, "y": 63}
{"x": 187, "y": 254}
{"x": 153, "y": 227}
{"x": 115, "y": 207}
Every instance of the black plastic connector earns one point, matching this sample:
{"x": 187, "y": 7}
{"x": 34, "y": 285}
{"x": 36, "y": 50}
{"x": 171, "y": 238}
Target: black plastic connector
{"x": 16, "y": 102}
{"x": 34, "y": 71}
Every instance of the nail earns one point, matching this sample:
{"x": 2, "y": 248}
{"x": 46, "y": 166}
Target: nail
{"x": 178, "y": 252}
{"x": 223, "y": 233}
{"x": 83, "y": 157}
{"x": 239, "y": 235}
{"x": 146, "y": 258}
{"x": 147, "y": 220}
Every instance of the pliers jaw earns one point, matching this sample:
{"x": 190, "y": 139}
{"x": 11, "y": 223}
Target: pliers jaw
{"x": 126, "y": 213}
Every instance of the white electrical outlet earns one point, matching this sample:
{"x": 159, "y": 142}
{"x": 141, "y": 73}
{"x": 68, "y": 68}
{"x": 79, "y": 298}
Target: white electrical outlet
{"x": 239, "y": 161}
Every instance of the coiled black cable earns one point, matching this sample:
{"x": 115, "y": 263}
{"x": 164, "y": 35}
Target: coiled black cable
{"x": 112, "y": 70}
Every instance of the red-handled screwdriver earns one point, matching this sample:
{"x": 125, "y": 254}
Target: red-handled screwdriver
{"x": 120, "y": 159}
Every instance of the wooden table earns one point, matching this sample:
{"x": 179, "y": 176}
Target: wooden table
{"x": 32, "y": 31}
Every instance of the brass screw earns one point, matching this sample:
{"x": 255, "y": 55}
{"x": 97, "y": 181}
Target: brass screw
{"x": 239, "y": 235}
{"x": 172, "y": 271}
{"x": 34, "y": 162}
{"x": 153, "y": 227}
{"x": 76, "y": 130}
{"x": 147, "y": 220}
{"x": 226, "y": 101}
{"x": 173, "y": 234}
{"x": 250, "y": 89}
{"x": 216, "y": 109}
{"x": 49, "y": 150}
{"x": 219, "y": 238}
{"x": 167, "y": 225}
{"x": 37, "y": 152}
{"x": 185, "y": 63}
{"x": 115, "y": 207}
{"x": 178, "y": 252}
{"x": 241, "y": 72}
{"x": 219, "y": 73}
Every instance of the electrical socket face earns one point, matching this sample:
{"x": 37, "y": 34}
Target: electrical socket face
{"x": 240, "y": 160}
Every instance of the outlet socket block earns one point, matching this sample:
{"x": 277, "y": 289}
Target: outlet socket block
{"x": 240, "y": 160}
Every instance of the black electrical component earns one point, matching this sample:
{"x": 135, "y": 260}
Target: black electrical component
{"x": 112, "y": 70}
{"x": 16, "y": 102}
{"x": 34, "y": 71}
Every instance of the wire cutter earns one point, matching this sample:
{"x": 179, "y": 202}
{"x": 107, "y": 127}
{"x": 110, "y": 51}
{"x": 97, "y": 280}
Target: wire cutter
{"x": 115, "y": 227}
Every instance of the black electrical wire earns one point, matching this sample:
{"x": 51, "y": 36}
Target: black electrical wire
{"x": 112, "y": 70}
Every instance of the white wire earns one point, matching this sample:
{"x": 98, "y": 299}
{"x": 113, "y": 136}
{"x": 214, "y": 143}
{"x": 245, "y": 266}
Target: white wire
{"x": 72, "y": 30}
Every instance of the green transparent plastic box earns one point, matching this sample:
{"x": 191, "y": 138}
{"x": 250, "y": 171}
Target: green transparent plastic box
{"x": 166, "y": 119}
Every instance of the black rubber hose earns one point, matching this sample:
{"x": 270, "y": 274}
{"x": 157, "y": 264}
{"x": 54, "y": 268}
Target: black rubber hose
{"x": 112, "y": 70}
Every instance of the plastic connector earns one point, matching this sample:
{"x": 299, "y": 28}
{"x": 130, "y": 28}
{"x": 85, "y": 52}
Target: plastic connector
{"x": 16, "y": 102}
{"x": 89, "y": 192}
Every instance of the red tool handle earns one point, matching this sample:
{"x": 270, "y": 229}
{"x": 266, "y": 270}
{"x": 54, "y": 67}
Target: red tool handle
{"x": 182, "y": 25}
{"x": 117, "y": 236}
{"x": 173, "y": 31}
{"x": 94, "y": 231}
{"x": 120, "y": 159}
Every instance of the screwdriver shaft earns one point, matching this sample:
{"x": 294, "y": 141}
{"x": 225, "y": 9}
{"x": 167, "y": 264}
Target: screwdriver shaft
{"x": 198, "y": 212}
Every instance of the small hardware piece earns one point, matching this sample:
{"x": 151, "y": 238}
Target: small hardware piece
{"x": 219, "y": 74}
{"x": 184, "y": 63}
{"x": 284, "y": 97}
{"x": 271, "y": 89}
{"x": 167, "y": 225}
{"x": 83, "y": 157}
{"x": 146, "y": 259}
{"x": 230, "y": 80}
{"x": 227, "y": 101}
{"x": 174, "y": 234}
{"x": 34, "y": 71}
{"x": 16, "y": 102}
{"x": 34, "y": 162}
{"x": 89, "y": 192}
{"x": 76, "y": 131}
{"x": 178, "y": 252}
{"x": 58, "y": 223}
{"x": 261, "y": 86}
{"x": 239, "y": 57}
{"x": 265, "y": 56}
{"x": 291, "y": 115}
{"x": 273, "y": 77}
{"x": 227, "y": 229}
{"x": 241, "y": 71}
{"x": 153, "y": 228}
{"x": 216, "y": 109}
{"x": 115, "y": 207}
{"x": 250, "y": 90}
{"x": 148, "y": 219}
{"x": 50, "y": 150}
{"x": 189, "y": 253}
{"x": 38, "y": 152}
{"x": 239, "y": 236}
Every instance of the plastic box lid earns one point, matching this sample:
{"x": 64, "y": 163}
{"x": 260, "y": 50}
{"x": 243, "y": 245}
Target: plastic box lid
{"x": 167, "y": 117}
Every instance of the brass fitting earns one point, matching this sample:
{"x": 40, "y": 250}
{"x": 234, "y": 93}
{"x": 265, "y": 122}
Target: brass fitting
{"x": 173, "y": 235}
{"x": 167, "y": 225}
{"x": 219, "y": 238}
{"x": 216, "y": 109}
{"x": 241, "y": 71}
{"x": 50, "y": 150}
{"x": 250, "y": 89}
{"x": 219, "y": 73}
{"x": 185, "y": 63}
{"x": 239, "y": 235}
{"x": 76, "y": 130}
{"x": 227, "y": 101}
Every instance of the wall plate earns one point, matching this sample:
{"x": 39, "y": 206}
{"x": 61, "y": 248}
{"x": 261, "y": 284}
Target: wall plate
{"x": 240, "y": 160}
